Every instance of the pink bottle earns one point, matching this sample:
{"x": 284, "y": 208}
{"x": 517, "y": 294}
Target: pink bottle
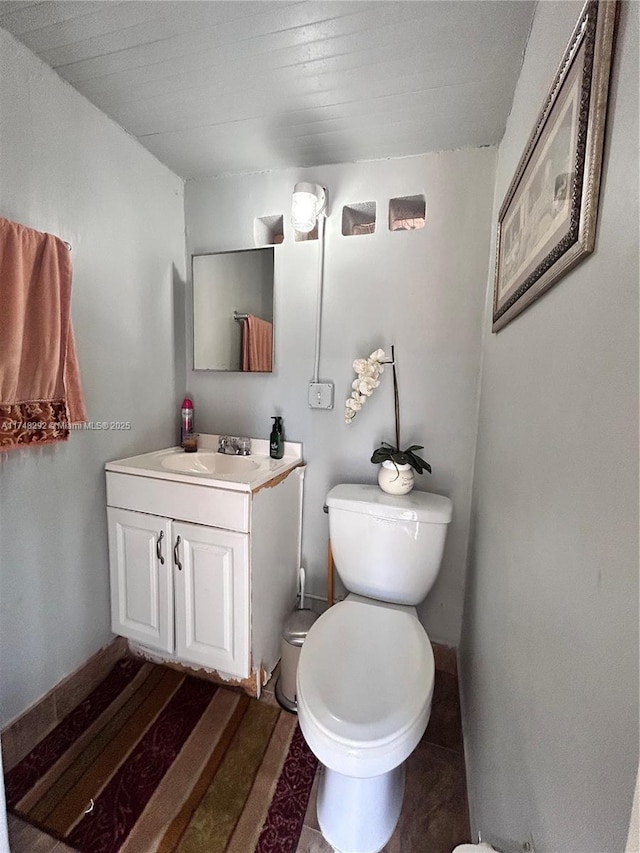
{"x": 187, "y": 419}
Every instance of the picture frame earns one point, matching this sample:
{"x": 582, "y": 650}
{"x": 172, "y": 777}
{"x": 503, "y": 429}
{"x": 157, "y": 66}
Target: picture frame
{"x": 547, "y": 221}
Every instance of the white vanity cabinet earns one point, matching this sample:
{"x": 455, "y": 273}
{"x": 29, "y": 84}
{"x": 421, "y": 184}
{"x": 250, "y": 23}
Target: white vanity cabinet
{"x": 181, "y": 588}
{"x": 204, "y": 571}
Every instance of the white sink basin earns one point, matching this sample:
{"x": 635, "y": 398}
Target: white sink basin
{"x": 208, "y": 462}
{"x": 207, "y": 467}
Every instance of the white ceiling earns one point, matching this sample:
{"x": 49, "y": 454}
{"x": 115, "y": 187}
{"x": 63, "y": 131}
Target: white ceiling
{"x": 237, "y": 86}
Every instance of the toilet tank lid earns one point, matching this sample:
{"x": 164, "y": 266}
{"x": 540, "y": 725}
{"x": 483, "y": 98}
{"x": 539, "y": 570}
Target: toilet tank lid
{"x": 371, "y": 500}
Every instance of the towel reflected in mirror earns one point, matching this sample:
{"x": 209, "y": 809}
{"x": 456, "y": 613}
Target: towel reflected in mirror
{"x": 257, "y": 345}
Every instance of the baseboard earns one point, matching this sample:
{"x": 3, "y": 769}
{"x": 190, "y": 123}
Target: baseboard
{"x": 446, "y": 658}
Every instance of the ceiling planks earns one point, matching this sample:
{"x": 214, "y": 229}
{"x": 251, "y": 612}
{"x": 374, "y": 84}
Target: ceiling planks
{"x": 217, "y": 86}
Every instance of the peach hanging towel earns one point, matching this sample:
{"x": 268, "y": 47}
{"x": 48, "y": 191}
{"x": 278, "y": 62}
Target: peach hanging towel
{"x": 257, "y": 343}
{"x": 40, "y": 392}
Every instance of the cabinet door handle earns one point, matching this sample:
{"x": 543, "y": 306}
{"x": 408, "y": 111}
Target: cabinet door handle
{"x": 176, "y": 558}
{"x": 159, "y": 547}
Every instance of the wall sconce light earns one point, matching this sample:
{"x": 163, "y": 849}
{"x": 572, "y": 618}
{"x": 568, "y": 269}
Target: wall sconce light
{"x": 308, "y": 203}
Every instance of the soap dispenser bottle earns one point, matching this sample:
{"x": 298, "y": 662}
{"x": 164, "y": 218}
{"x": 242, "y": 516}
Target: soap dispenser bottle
{"x": 276, "y": 441}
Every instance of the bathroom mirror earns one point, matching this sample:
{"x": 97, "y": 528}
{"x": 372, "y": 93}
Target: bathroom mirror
{"x": 233, "y": 311}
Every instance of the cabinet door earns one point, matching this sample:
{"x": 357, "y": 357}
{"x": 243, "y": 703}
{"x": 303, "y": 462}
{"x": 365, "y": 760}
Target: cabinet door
{"x": 211, "y": 569}
{"x": 140, "y": 564}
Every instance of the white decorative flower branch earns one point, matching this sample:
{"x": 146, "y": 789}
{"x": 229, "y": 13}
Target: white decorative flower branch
{"x": 368, "y": 370}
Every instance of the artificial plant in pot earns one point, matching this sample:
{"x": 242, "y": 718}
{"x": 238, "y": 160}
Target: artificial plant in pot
{"x": 397, "y": 466}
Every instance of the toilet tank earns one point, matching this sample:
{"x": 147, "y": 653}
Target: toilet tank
{"x": 387, "y": 547}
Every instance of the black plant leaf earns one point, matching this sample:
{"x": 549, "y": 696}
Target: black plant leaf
{"x": 388, "y": 452}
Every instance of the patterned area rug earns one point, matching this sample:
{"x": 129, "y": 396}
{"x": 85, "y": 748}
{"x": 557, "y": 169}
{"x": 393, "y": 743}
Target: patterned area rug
{"x": 155, "y": 760}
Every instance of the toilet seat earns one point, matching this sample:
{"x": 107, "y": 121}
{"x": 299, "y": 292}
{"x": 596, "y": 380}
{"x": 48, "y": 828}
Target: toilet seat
{"x": 364, "y": 686}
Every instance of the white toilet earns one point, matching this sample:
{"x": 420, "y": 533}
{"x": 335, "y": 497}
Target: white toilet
{"x": 365, "y": 673}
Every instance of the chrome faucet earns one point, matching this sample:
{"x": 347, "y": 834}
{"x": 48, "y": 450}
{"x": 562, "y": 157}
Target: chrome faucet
{"x": 243, "y": 446}
{"x": 234, "y": 445}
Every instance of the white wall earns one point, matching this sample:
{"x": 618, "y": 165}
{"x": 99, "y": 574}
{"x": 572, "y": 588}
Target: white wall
{"x": 549, "y": 649}
{"x": 67, "y": 169}
{"x": 422, "y": 291}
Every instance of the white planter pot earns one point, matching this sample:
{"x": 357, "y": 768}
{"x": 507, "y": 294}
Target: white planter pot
{"x": 395, "y": 479}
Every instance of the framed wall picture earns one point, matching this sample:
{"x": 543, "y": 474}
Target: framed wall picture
{"x": 547, "y": 222}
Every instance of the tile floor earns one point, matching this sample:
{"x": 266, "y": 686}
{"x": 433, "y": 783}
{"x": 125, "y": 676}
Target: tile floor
{"x": 434, "y": 816}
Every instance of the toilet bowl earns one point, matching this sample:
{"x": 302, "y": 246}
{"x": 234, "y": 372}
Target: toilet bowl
{"x": 364, "y": 687}
{"x": 366, "y": 669}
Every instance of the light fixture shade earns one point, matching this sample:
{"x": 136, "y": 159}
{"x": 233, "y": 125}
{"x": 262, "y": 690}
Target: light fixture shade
{"x": 308, "y": 202}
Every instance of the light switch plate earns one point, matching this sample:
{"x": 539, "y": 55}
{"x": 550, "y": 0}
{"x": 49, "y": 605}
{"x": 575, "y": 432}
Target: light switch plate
{"x": 321, "y": 395}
